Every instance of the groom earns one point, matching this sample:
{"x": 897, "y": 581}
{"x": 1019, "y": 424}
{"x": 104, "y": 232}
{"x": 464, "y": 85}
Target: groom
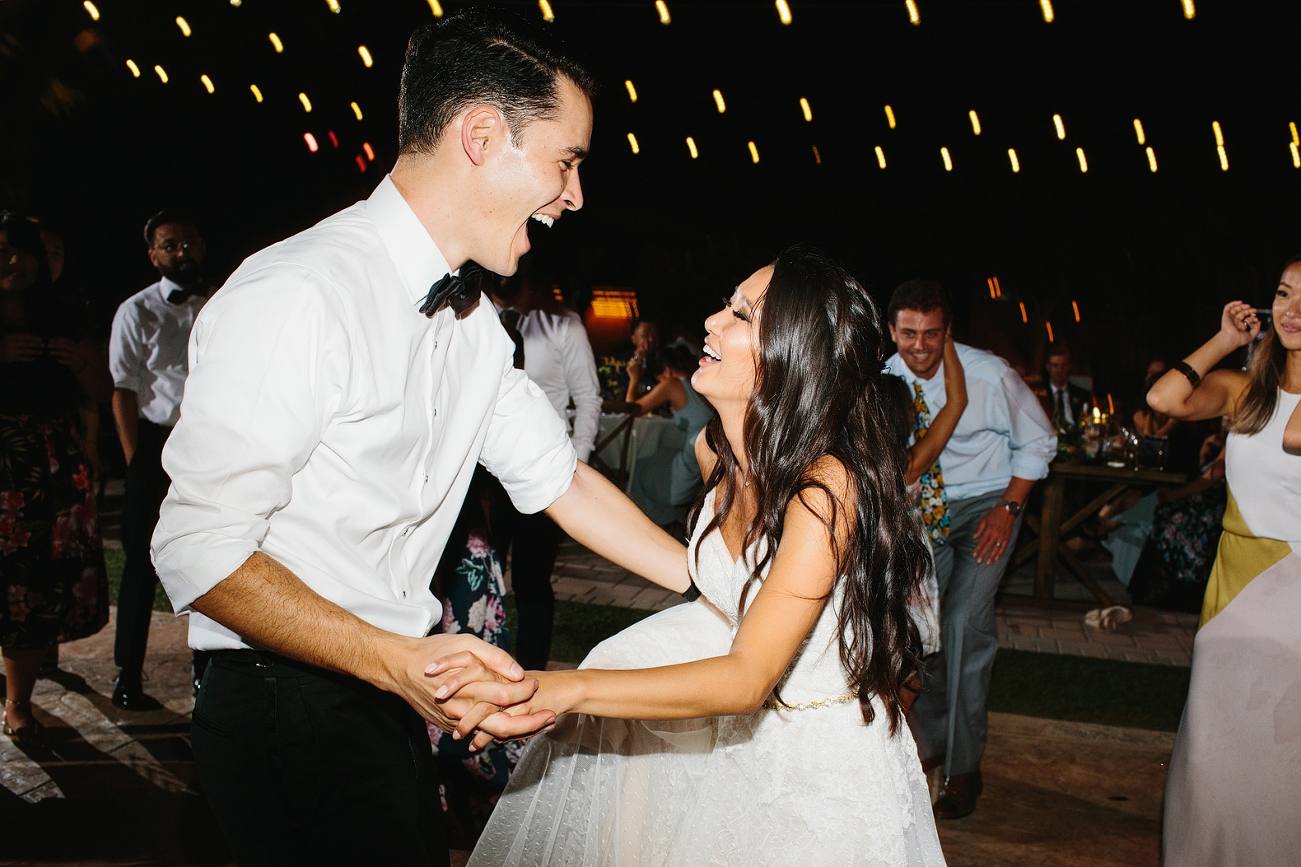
{"x": 334, "y": 414}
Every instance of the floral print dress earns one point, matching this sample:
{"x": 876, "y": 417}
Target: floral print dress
{"x": 51, "y": 554}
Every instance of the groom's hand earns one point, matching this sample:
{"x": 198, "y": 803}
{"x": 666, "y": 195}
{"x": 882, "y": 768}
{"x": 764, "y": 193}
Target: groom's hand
{"x": 484, "y": 674}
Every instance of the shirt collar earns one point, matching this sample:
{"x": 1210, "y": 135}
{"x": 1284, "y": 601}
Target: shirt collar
{"x": 417, "y": 258}
{"x": 166, "y": 287}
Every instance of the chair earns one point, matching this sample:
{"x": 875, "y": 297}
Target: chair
{"x": 618, "y": 475}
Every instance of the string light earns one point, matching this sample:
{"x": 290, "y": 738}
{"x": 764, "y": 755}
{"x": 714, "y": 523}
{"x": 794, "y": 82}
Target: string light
{"x": 998, "y": 290}
{"x": 1111, "y": 405}
{"x": 307, "y": 103}
{"x": 370, "y": 151}
{"x": 754, "y": 151}
{"x": 1295, "y": 139}
{"x": 547, "y": 15}
{"x": 804, "y": 107}
{"x": 1190, "y": 12}
{"x": 356, "y": 109}
{"x": 817, "y": 157}
{"x": 365, "y": 56}
{"x": 1047, "y": 7}
{"x": 436, "y": 8}
{"x": 184, "y": 25}
{"x": 92, "y": 10}
{"x": 162, "y": 73}
{"x": 913, "y": 16}
{"x": 784, "y": 13}
{"x": 1076, "y": 308}
{"x": 718, "y": 101}
{"x": 207, "y": 83}
{"x": 334, "y": 6}
{"x": 975, "y": 121}
{"x": 1059, "y": 126}
{"x": 691, "y": 147}
{"x": 889, "y": 116}
{"x": 948, "y": 163}
{"x": 990, "y": 281}
{"x": 1296, "y": 155}
{"x": 880, "y": 157}
{"x": 632, "y": 91}
{"x": 334, "y": 139}
{"x": 1016, "y": 164}
{"x": 276, "y": 43}
{"x": 1084, "y": 164}
{"x": 632, "y": 143}
{"x": 1024, "y": 317}
{"x": 1151, "y": 158}
{"x": 361, "y": 163}
{"x": 1219, "y": 146}
{"x": 236, "y": 3}
{"x": 311, "y": 142}
{"x": 663, "y": 9}
{"x": 257, "y": 93}
{"x": 1049, "y": 326}
{"x": 135, "y": 70}
{"x": 1138, "y": 131}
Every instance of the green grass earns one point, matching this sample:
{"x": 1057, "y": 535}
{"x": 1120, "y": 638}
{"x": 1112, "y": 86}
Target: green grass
{"x": 1046, "y": 685}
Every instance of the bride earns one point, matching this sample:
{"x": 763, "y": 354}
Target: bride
{"x": 770, "y": 728}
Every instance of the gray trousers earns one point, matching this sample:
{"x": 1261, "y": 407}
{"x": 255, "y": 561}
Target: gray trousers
{"x": 950, "y": 716}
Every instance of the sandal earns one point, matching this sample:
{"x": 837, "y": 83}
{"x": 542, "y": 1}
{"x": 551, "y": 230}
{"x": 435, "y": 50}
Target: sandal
{"x": 31, "y": 734}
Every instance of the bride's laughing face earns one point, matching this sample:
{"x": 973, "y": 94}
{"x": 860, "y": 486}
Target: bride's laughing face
{"x": 726, "y": 373}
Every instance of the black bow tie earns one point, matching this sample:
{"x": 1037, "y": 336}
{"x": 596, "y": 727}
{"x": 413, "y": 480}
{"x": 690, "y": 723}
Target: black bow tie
{"x": 180, "y": 296}
{"x": 460, "y": 292}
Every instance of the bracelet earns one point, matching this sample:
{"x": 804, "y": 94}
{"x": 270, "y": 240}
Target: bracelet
{"x": 692, "y": 593}
{"x": 1187, "y": 370}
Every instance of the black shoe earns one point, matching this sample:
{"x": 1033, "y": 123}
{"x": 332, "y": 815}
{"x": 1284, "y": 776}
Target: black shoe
{"x": 128, "y": 694}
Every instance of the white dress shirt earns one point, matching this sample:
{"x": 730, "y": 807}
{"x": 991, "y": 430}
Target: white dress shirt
{"x": 1065, "y": 392}
{"x": 331, "y": 425}
{"x": 147, "y": 349}
{"x": 1003, "y": 431}
{"x": 558, "y": 357}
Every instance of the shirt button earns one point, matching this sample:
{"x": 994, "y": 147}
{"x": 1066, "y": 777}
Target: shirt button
{"x": 426, "y": 479}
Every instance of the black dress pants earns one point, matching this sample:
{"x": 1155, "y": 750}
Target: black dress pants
{"x": 307, "y": 767}
{"x": 146, "y": 486}
{"x": 534, "y": 541}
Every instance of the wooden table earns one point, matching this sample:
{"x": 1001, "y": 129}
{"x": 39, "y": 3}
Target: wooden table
{"x": 1052, "y": 526}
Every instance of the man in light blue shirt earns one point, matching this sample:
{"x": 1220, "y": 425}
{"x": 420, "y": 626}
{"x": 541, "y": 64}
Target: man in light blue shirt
{"x": 1002, "y": 444}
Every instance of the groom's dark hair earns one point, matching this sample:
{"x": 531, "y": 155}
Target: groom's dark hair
{"x": 473, "y": 58}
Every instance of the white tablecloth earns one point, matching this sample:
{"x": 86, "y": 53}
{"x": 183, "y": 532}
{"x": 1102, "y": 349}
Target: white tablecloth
{"x": 649, "y": 435}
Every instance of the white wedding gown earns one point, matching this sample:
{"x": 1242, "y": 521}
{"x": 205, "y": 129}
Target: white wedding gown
{"x": 778, "y": 787}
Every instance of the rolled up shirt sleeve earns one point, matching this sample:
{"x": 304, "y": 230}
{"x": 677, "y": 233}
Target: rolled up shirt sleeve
{"x": 1033, "y": 440}
{"x": 580, "y": 377}
{"x": 527, "y": 447}
{"x": 269, "y": 359}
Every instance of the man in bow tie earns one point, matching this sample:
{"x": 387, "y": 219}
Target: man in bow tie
{"x": 341, "y": 393}
{"x": 147, "y": 357}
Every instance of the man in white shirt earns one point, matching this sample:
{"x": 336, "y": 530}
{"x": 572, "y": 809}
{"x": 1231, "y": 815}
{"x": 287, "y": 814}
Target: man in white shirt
{"x": 558, "y": 358}
{"x": 1002, "y": 444}
{"x": 147, "y": 357}
{"x": 336, "y": 408}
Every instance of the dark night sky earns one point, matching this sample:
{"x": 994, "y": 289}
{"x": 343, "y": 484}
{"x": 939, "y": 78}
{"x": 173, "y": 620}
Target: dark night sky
{"x": 1149, "y": 257}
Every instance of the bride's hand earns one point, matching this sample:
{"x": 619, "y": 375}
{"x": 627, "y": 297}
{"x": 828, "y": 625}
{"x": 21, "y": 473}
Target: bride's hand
{"x": 554, "y": 696}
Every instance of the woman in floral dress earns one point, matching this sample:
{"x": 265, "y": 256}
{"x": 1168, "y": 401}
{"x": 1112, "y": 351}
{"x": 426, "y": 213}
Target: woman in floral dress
{"x": 51, "y": 556}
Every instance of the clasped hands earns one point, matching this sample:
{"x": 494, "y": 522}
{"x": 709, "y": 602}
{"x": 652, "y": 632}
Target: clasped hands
{"x": 472, "y": 687}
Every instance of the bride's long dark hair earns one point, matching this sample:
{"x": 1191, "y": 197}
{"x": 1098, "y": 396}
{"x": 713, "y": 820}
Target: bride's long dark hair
{"x": 819, "y": 392}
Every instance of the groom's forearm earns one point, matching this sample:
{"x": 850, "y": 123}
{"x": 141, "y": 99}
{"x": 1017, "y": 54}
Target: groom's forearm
{"x": 599, "y": 515}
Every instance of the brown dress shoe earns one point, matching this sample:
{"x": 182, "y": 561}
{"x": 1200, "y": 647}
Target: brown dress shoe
{"x": 958, "y": 798}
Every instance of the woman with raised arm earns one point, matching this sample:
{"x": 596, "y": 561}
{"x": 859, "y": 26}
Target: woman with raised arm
{"x": 1234, "y": 774}
{"x": 772, "y": 733}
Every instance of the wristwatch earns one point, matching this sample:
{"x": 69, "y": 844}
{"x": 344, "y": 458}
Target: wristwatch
{"x": 1012, "y": 506}
{"x": 692, "y": 593}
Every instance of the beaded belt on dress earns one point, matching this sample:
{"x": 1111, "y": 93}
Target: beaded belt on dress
{"x": 774, "y": 704}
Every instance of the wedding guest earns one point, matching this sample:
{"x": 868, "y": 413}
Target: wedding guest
{"x": 1065, "y": 403}
{"x": 343, "y": 386}
{"x": 51, "y": 554}
{"x": 665, "y": 483}
{"x": 642, "y": 361}
{"x": 147, "y": 356}
{"x": 558, "y": 359}
{"x": 765, "y": 727}
{"x": 1233, "y": 772}
{"x": 1001, "y": 445}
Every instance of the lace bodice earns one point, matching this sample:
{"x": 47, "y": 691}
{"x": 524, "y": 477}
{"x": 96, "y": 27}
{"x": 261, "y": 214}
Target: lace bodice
{"x": 815, "y": 672}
